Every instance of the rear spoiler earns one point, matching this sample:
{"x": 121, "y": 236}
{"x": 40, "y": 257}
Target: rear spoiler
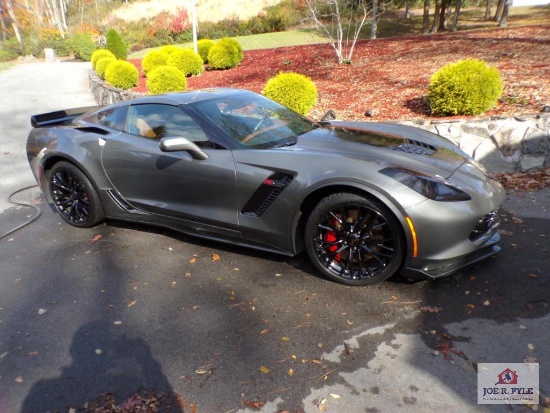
{"x": 60, "y": 117}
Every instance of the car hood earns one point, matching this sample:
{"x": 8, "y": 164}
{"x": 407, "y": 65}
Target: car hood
{"x": 387, "y": 145}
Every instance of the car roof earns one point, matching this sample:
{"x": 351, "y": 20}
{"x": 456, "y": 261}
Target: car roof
{"x": 182, "y": 98}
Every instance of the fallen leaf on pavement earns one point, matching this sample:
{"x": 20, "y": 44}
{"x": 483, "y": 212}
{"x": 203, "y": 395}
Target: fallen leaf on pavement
{"x": 254, "y": 404}
{"x": 431, "y": 309}
{"x": 215, "y": 257}
{"x": 264, "y": 370}
{"x": 96, "y": 238}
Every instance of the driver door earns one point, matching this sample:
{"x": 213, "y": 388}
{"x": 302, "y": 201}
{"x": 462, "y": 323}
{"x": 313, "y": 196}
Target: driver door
{"x": 201, "y": 194}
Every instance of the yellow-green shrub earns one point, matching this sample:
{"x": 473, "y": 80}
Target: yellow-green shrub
{"x": 152, "y": 60}
{"x": 102, "y": 64}
{"x": 169, "y": 49}
{"x": 225, "y": 54}
{"x": 121, "y": 74}
{"x": 166, "y": 79}
{"x": 186, "y": 60}
{"x": 98, "y": 54}
{"x": 293, "y": 90}
{"x": 203, "y": 47}
{"x": 466, "y": 87}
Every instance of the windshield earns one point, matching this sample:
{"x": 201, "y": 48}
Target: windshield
{"x": 255, "y": 121}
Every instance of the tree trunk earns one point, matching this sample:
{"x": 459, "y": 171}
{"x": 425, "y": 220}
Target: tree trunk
{"x": 458, "y": 5}
{"x": 14, "y": 23}
{"x": 500, "y": 9}
{"x": 407, "y": 10}
{"x": 443, "y": 16}
{"x": 437, "y": 16}
{"x": 504, "y": 17}
{"x": 426, "y": 18}
{"x": 488, "y": 10}
{"x": 374, "y": 20}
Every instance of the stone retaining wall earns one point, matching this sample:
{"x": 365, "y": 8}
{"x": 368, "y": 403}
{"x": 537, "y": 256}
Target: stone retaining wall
{"x": 501, "y": 144}
{"x": 105, "y": 94}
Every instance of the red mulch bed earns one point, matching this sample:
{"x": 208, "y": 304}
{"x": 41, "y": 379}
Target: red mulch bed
{"x": 390, "y": 76}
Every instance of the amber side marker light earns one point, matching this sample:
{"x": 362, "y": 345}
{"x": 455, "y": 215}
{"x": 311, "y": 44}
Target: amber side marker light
{"x": 414, "y": 239}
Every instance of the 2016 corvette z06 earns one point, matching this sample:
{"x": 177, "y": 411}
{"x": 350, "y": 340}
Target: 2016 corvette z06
{"x": 365, "y": 200}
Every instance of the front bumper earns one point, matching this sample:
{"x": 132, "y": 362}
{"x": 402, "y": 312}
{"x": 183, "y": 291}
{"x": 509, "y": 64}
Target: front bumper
{"x": 432, "y": 269}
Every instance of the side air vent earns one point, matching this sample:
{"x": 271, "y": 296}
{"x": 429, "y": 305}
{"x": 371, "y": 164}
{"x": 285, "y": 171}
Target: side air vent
{"x": 266, "y": 194}
{"x": 122, "y": 203}
{"x": 416, "y": 148}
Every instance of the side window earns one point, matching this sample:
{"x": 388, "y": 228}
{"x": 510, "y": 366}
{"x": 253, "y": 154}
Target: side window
{"x": 111, "y": 118}
{"x": 157, "y": 121}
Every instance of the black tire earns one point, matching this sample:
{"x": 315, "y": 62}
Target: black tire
{"x": 353, "y": 240}
{"x": 74, "y": 196}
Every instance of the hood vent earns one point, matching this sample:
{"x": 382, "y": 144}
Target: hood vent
{"x": 416, "y": 148}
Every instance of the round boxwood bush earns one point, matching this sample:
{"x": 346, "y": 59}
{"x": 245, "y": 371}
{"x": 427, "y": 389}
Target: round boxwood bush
{"x": 203, "y": 47}
{"x": 98, "y": 54}
{"x": 293, "y": 90}
{"x": 152, "y": 60}
{"x": 169, "y": 49}
{"x": 234, "y": 47}
{"x": 116, "y": 44}
{"x": 186, "y": 60}
{"x": 466, "y": 87}
{"x": 225, "y": 54}
{"x": 102, "y": 64}
{"x": 166, "y": 79}
{"x": 121, "y": 74}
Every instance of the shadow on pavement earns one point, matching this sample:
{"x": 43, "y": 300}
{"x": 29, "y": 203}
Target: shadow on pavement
{"x": 106, "y": 366}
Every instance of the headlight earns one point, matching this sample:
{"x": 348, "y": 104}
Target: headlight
{"x": 431, "y": 187}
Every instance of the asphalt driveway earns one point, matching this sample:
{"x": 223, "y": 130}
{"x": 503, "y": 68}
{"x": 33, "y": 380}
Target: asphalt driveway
{"x": 116, "y": 308}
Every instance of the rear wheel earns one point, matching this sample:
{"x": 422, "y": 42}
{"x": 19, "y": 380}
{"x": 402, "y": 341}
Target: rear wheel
{"x": 74, "y": 196}
{"x": 353, "y": 240}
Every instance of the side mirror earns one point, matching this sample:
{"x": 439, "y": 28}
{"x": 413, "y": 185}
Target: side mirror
{"x": 182, "y": 144}
{"x": 330, "y": 115}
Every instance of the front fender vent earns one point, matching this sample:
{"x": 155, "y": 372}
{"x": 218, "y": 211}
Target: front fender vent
{"x": 266, "y": 194}
{"x": 416, "y": 148}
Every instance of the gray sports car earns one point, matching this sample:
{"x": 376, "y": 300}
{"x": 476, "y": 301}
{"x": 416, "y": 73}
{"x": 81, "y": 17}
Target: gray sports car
{"x": 365, "y": 200}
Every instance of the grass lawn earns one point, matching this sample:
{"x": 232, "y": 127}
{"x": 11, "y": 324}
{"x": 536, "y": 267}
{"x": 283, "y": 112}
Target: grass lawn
{"x": 6, "y": 65}
{"x": 263, "y": 41}
{"x": 391, "y": 24}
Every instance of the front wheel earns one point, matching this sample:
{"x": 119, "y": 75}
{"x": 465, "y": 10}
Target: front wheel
{"x": 74, "y": 196}
{"x": 353, "y": 240}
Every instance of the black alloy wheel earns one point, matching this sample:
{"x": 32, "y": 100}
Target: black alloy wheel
{"x": 354, "y": 241}
{"x": 74, "y": 196}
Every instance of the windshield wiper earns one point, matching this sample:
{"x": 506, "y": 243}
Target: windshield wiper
{"x": 291, "y": 140}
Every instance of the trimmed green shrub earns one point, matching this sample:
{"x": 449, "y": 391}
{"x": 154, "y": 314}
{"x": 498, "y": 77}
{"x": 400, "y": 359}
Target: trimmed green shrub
{"x": 186, "y": 60}
{"x": 293, "y": 90}
{"x": 466, "y": 87}
{"x": 116, "y": 44}
{"x": 169, "y": 49}
{"x": 203, "y": 47}
{"x": 83, "y": 46}
{"x": 219, "y": 58}
{"x": 98, "y": 54}
{"x": 234, "y": 47}
{"x": 101, "y": 65}
{"x": 121, "y": 74}
{"x": 225, "y": 54}
{"x": 166, "y": 79}
{"x": 152, "y": 60}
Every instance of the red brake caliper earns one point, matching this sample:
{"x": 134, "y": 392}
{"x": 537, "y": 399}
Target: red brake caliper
{"x": 330, "y": 236}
